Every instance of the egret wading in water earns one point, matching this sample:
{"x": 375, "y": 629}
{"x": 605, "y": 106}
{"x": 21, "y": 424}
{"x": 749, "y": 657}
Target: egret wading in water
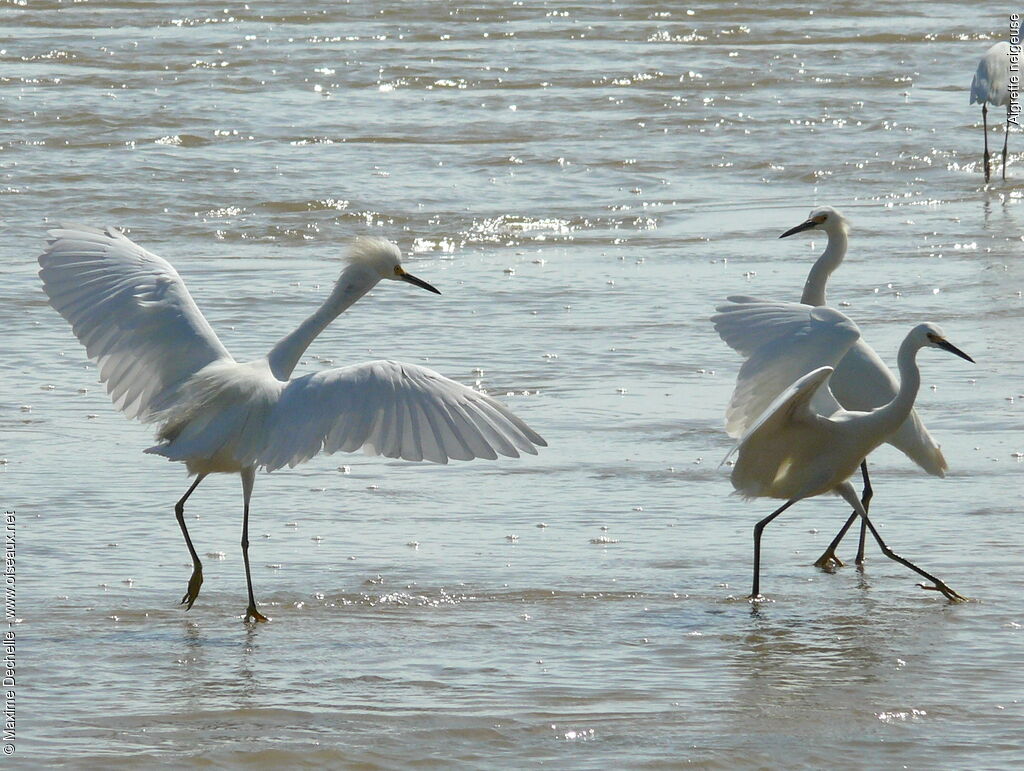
{"x": 991, "y": 85}
{"x": 805, "y": 444}
{"x": 777, "y": 354}
{"x": 163, "y": 363}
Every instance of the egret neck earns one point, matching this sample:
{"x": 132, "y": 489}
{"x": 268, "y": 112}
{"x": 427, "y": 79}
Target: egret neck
{"x": 830, "y": 259}
{"x": 355, "y": 281}
{"x": 889, "y": 417}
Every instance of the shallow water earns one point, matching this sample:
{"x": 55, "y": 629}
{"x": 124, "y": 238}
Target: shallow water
{"x": 632, "y": 164}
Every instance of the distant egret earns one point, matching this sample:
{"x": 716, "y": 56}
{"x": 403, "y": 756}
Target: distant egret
{"x": 991, "y": 85}
{"x": 804, "y": 443}
{"x": 776, "y": 358}
{"x": 163, "y": 363}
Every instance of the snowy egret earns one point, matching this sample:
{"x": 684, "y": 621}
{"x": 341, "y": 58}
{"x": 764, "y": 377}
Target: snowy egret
{"x": 163, "y": 363}
{"x": 804, "y": 443}
{"x": 991, "y": 85}
{"x": 775, "y": 359}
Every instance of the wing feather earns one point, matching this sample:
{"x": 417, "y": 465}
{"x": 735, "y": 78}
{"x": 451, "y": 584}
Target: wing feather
{"x": 488, "y": 424}
{"x": 475, "y": 440}
{"x": 430, "y": 445}
{"x": 764, "y": 452}
{"x": 796, "y": 400}
{"x": 132, "y": 312}
{"x": 455, "y": 446}
{"x": 411, "y": 441}
{"x": 391, "y": 409}
{"x": 783, "y": 342}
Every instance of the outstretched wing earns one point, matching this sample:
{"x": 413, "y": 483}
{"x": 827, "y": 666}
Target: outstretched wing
{"x": 131, "y": 311}
{"x": 391, "y": 409}
{"x": 783, "y": 342}
{"x": 764, "y": 452}
{"x": 794, "y": 401}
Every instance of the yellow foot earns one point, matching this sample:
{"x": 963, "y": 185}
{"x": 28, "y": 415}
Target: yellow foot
{"x": 251, "y": 614}
{"x": 950, "y": 595}
{"x": 193, "y": 588}
{"x": 828, "y": 561}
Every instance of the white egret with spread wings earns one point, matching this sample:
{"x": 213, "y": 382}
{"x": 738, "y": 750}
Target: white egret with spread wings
{"x": 862, "y": 381}
{"x": 163, "y": 363}
{"x": 803, "y": 443}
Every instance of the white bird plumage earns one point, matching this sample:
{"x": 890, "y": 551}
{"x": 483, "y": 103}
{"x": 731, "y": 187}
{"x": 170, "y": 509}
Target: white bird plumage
{"x": 805, "y": 444}
{"x": 162, "y": 363}
{"x": 991, "y": 85}
{"x": 776, "y": 339}
{"x": 991, "y": 81}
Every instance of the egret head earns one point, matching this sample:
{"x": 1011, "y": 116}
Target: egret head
{"x": 930, "y": 336}
{"x": 824, "y": 218}
{"x": 382, "y": 259}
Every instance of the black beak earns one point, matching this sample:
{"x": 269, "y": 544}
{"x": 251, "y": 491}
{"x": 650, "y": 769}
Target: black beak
{"x": 411, "y": 279}
{"x": 799, "y": 228}
{"x": 948, "y": 346}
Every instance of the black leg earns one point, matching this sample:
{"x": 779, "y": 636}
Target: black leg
{"x": 865, "y": 500}
{"x": 984, "y": 123}
{"x": 937, "y": 585}
{"x": 196, "y": 580}
{"x": 1006, "y": 136}
{"x": 828, "y": 558}
{"x": 251, "y": 614}
{"x": 846, "y": 490}
{"x": 755, "y": 592}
